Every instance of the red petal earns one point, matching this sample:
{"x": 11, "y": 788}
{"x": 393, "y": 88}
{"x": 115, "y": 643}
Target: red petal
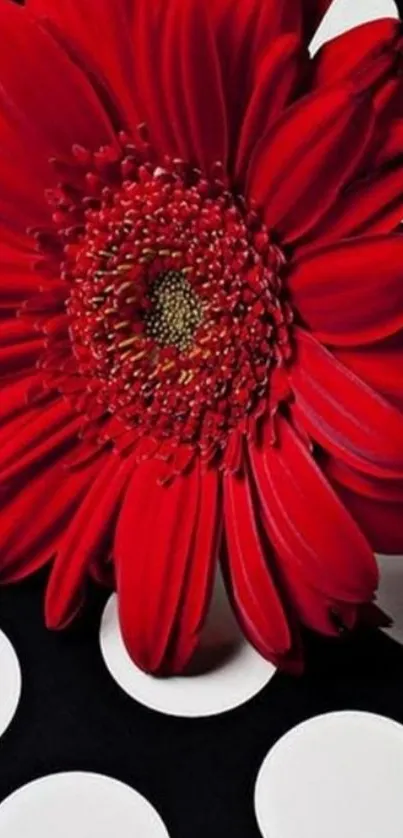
{"x": 24, "y": 96}
{"x": 344, "y": 415}
{"x": 388, "y": 99}
{"x": 50, "y": 449}
{"x": 19, "y": 357}
{"x": 110, "y": 55}
{"x": 22, "y": 187}
{"x": 308, "y": 526}
{"x": 34, "y": 515}
{"x": 38, "y": 437}
{"x": 18, "y": 420}
{"x": 371, "y": 205}
{"x": 365, "y": 53}
{"x": 16, "y": 331}
{"x": 385, "y": 491}
{"x": 382, "y": 523}
{"x": 200, "y": 576}
{"x": 90, "y": 532}
{"x": 351, "y": 293}
{"x": 392, "y": 145}
{"x": 147, "y": 28}
{"x": 314, "y": 610}
{"x": 154, "y": 566}
{"x": 379, "y": 365}
{"x": 13, "y": 242}
{"x": 245, "y": 31}
{"x": 376, "y": 505}
{"x": 275, "y": 84}
{"x": 298, "y": 169}
{"x": 15, "y": 396}
{"x": 252, "y": 25}
{"x": 18, "y": 282}
{"x": 193, "y": 81}
{"x": 248, "y": 575}
{"x": 33, "y": 126}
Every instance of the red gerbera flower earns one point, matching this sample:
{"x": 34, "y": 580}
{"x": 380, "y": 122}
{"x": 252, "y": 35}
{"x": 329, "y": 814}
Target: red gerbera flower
{"x": 201, "y": 310}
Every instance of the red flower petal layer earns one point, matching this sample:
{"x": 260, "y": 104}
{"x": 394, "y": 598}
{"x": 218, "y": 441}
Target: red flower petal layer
{"x": 307, "y": 157}
{"x": 337, "y": 290}
{"x": 164, "y": 573}
{"x": 313, "y": 482}
{"x": 348, "y": 419}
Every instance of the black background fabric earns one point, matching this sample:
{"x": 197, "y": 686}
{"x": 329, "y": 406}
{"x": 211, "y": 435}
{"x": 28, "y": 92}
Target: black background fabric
{"x": 198, "y": 773}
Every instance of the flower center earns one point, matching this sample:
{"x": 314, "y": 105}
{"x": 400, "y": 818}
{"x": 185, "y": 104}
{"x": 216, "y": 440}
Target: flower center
{"x": 178, "y": 318}
{"x": 175, "y": 311}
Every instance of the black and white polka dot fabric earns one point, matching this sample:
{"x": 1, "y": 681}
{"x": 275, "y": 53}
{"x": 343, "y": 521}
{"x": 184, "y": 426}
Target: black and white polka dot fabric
{"x": 91, "y": 747}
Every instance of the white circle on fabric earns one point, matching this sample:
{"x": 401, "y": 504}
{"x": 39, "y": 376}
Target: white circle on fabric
{"x": 225, "y": 673}
{"x": 78, "y": 804}
{"x": 334, "y": 775}
{"x": 10, "y": 680}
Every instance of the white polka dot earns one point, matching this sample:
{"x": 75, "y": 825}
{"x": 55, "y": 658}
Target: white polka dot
{"x": 390, "y": 593}
{"x": 335, "y": 775}
{"x": 226, "y": 670}
{"x": 10, "y": 680}
{"x": 345, "y": 14}
{"x": 80, "y": 805}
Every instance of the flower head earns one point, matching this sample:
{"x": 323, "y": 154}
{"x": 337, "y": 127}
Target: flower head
{"x": 201, "y": 314}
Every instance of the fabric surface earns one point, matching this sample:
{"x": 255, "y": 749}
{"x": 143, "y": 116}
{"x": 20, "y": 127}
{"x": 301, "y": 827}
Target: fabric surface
{"x": 198, "y": 773}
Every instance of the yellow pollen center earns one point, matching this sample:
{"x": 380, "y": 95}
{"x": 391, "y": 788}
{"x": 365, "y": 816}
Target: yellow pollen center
{"x": 175, "y": 313}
